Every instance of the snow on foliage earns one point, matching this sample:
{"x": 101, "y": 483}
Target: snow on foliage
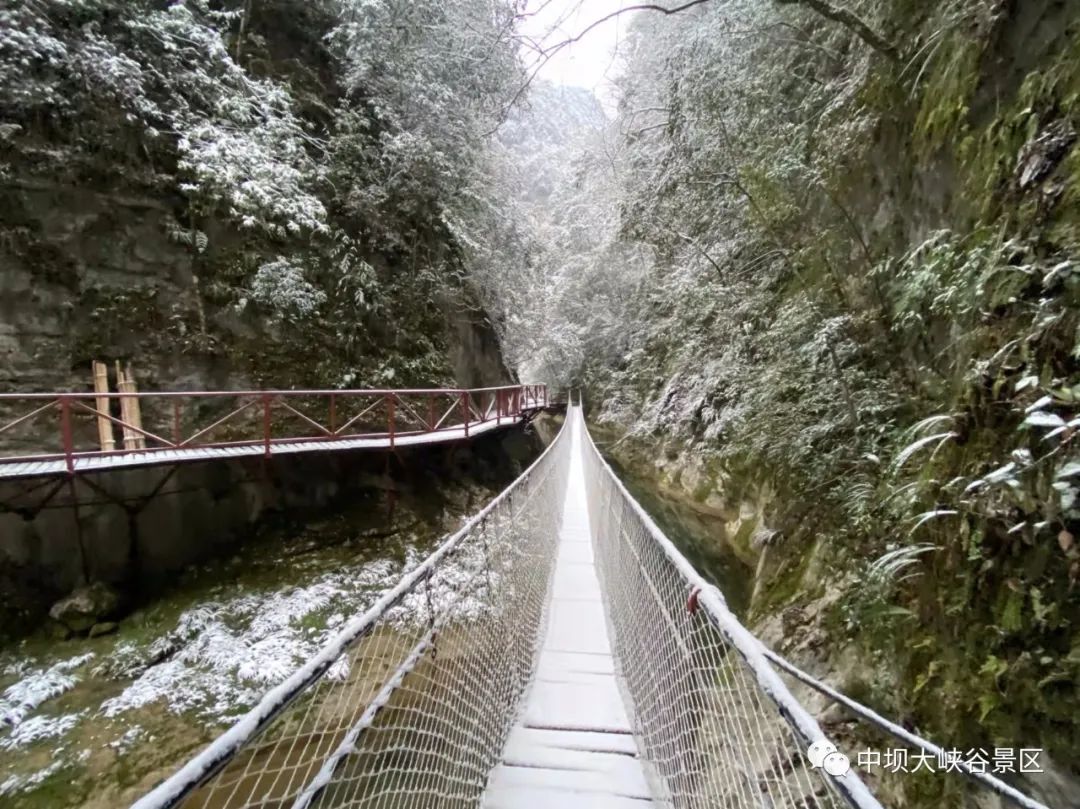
{"x": 223, "y": 655}
{"x": 36, "y": 687}
{"x": 344, "y": 135}
{"x": 19, "y": 783}
{"x": 243, "y": 150}
{"x": 241, "y": 144}
{"x": 39, "y": 728}
{"x": 281, "y": 287}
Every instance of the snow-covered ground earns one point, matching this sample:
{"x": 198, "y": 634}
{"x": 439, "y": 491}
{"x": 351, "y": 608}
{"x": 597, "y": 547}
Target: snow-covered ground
{"x": 122, "y": 709}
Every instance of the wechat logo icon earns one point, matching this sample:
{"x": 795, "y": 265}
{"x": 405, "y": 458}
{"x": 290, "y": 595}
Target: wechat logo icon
{"x": 824, "y": 755}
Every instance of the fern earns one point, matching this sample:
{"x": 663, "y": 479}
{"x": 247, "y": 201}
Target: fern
{"x": 192, "y": 238}
{"x": 927, "y": 516}
{"x": 911, "y": 449}
{"x": 896, "y": 566}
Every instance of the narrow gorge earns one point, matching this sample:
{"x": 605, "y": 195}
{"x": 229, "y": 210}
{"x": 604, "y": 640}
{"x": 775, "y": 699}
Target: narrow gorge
{"x": 812, "y": 267}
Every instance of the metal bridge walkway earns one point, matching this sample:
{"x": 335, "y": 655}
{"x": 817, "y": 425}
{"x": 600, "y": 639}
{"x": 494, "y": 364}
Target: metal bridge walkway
{"x": 573, "y": 746}
{"x": 167, "y": 455}
{"x": 174, "y": 427}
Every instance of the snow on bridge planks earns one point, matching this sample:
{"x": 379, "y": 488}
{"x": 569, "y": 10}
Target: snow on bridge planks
{"x": 572, "y": 747}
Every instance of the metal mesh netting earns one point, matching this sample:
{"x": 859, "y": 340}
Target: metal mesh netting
{"x": 411, "y": 706}
{"x": 709, "y": 727}
{"x": 412, "y": 703}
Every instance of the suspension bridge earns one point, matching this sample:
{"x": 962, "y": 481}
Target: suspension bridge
{"x": 557, "y": 651}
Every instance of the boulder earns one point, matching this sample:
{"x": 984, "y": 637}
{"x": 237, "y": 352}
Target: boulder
{"x": 86, "y": 606}
{"x": 104, "y": 628}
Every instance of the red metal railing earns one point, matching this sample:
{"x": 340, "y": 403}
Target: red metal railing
{"x": 178, "y": 420}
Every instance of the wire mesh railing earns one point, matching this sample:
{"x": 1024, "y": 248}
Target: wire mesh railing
{"x": 716, "y": 724}
{"x": 410, "y": 705}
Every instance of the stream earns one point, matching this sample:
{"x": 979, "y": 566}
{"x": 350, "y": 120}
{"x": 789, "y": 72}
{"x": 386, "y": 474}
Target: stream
{"x": 697, "y": 535}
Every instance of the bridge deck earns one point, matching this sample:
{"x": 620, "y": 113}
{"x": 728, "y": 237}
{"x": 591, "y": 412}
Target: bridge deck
{"x": 161, "y": 456}
{"x": 572, "y": 747}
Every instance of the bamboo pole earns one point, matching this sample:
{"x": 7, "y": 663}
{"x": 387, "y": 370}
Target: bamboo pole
{"x": 101, "y": 385}
{"x": 136, "y": 409}
{"x": 130, "y": 412}
{"x": 121, "y": 386}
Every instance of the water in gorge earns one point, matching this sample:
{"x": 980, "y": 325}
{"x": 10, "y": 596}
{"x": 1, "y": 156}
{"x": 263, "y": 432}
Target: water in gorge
{"x": 697, "y": 535}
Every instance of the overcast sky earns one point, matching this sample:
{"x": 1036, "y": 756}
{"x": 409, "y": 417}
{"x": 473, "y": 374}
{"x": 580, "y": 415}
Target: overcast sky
{"x": 590, "y": 62}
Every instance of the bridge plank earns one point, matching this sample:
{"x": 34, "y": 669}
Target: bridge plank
{"x": 578, "y": 624}
{"x": 522, "y": 737}
{"x": 573, "y": 746}
{"x": 574, "y": 662}
{"x": 533, "y": 797}
{"x": 574, "y": 582}
{"x": 576, "y": 771}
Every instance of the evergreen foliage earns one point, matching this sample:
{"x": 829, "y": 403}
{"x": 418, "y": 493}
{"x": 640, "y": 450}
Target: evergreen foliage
{"x": 851, "y": 279}
{"x": 327, "y": 163}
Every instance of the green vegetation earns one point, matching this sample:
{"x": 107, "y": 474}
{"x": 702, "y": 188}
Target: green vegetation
{"x": 855, "y": 282}
{"x": 282, "y": 192}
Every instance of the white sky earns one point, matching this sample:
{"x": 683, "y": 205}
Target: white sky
{"x": 589, "y": 63}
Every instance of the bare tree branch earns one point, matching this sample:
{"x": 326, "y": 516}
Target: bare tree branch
{"x": 548, "y": 53}
{"x": 825, "y": 8}
{"x": 625, "y": 10}
{"x": 850, "y": 21}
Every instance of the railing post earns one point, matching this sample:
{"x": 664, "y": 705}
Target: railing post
{"x": 176, "y": 437}
{"x": 465, "y": 410}
{"x": 333, "y": 412}
{"x": 266, "y": 423}
{"x": 431, "y": 412}
{"x": 498, "y": 406}
{"x": 66, "y": 435}
{"x": 390, "y": 418}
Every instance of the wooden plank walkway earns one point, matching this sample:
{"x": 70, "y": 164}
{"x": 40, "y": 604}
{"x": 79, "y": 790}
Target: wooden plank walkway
{"x": 573, "y": 747}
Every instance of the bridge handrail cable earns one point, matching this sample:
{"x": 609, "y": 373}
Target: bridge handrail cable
{"x": 711, "y": 740}
{"x": 899, "y": 732}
